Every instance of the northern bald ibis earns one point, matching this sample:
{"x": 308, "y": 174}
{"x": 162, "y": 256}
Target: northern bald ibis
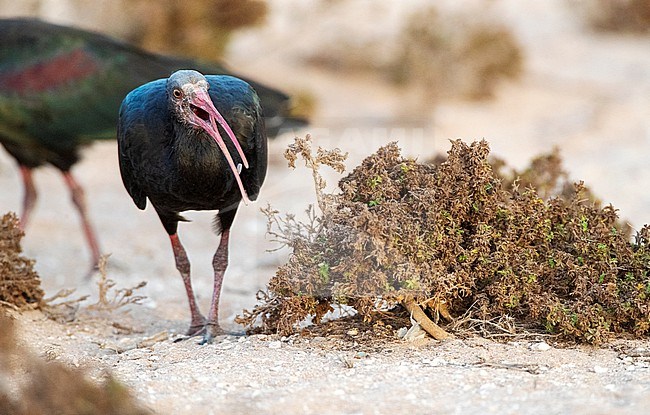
{"x": 193, "y": 142}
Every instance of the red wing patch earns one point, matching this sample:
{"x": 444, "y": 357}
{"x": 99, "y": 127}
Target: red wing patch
{"x": 51, "y": 74}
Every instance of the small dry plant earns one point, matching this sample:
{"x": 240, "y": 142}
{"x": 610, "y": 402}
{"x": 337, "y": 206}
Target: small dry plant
{"x": 20, "y": 285}
{"x": 31, "y": 386}
{"x": 61, "y": 307}
{"x": 111, "y": 298}
{"x": 457, "y": 55}
{"x": 458, "y": 241}
{"x": 632, "y": 16}
{"x": 200, "y": 28}
{"x": 435, "y": 54}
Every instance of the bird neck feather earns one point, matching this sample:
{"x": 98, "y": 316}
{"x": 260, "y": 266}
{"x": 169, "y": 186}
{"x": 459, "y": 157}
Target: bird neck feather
{"x": 197, "y": 155}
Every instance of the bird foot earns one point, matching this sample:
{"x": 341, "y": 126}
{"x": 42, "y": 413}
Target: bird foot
{"x": 195, "y": 331}
{"x": 212, "y": 330}
{"x": 209, "y": 331}
{"x": 197, "y": 327}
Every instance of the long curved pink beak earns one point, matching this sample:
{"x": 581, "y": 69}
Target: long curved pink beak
{"x": 201, "y": 99}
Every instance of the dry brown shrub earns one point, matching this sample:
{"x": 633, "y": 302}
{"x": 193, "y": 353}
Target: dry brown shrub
{"x": 20, "y": 285}
{"x": 434, "y": 54}
{"x": 451, "y": 238}
{"x": 545, "y": 174}
{"x": 42, "y": 388}
{"x": 195, "y": 28}
{"x": 28, "y": 385}
{"x": 455, "y": 55}
{"x": 617, "y": 15}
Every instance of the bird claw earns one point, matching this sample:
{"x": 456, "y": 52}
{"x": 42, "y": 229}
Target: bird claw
{"x": 193, "y": 331}
{"x": 196, "y": 329}
{"x": 212, "y": 330}
{"x": 207, "y": 339}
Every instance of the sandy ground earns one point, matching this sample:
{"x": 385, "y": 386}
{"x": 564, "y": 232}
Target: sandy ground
{"x": 588, "y": 94}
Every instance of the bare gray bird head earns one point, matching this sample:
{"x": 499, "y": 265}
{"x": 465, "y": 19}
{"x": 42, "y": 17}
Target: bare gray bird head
{"x": 190, "y": 101}
{"x": 187, "y": 91}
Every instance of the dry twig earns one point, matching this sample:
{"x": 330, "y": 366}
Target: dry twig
{"x": 424, "y": 321}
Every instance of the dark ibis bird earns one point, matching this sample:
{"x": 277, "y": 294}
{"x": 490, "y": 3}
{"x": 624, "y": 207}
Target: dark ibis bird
{"x": 193, "y": 142}
{"x": 61, "y": 88}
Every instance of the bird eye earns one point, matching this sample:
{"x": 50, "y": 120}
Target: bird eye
{"x": 177, "y": 93}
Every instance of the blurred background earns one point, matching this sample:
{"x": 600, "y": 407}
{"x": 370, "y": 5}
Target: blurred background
{"x": 524, "y": 75}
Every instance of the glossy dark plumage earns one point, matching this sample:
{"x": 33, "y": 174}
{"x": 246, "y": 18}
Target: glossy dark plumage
{"x": 178, "y": 165}
{"x": 61, "y": 87}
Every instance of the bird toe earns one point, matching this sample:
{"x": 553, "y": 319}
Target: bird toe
{"x": 196, "y": 330}
{"x": 212, "y": 331}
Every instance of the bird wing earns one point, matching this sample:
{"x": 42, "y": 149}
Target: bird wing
{"x": 142, "y": 131}
{"x": 240, "y": 105}
{"x": 62, "y": 86}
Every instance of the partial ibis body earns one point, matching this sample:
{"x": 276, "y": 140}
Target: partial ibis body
{"x": 193, "y": 142}
{"x": 61, "y": 88}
